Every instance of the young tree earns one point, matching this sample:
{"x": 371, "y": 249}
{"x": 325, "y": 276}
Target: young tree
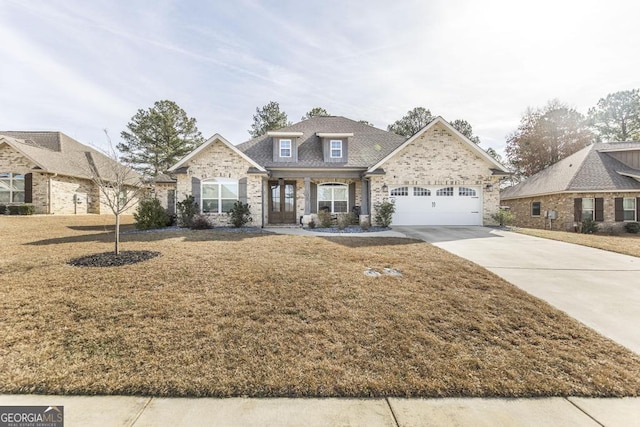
{"x": 158, "y": 137}
{"x": 545, "y": 136}
{"x": 315, "y": 112}
{"x": 617, "y": 117}
{"x": 412, "y": 122}
{"x": 119, "y": 185}
{"x": 464, "y": 127}
{"x": 268, "y": 118}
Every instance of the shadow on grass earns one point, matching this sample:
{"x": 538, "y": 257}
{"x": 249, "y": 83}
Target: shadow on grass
{"x": 367, "y": 242}
{"x": 105, "y": 227}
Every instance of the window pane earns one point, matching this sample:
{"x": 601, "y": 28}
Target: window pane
{"x": 629, "y": 203}
{"x": 210, "y": 191}
{"x": 18, "y": 184}
{"x": 419, "y": 191}
{"x": 587, "y": 214}
{"x": 340, "y": 206}
{"x": 210, "y": 205}
{"x": 340, "y": 193}
{"x": 587, "y": 204}
{"x": 629, "y": 215}
{"x": 401, "y": 191}
{"x": 464, "y": 191}
{"x": 447, "y": 191}
{"x": 324, "y": 193}
{"x": 5, "y": 184}
{"x": 18, "y": 197}
{"x": 535, "y": 209}
{"x": 227, "y": 205}
{"x": 5, "y": 197}
{"x": 229, "y": 191}
{"x": 324, "y": 205}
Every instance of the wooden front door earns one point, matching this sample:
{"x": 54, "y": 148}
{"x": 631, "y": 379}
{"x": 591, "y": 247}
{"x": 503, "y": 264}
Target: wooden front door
{"x": 282, "y": 202}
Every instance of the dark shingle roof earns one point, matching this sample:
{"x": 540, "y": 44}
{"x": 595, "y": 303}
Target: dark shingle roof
{"x": 367, "y": 146}
{"x": 590, "y": 169}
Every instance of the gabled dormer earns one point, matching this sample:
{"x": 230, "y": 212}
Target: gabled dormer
{"x": 335, "y": 146}
{"x": 285, "y": 145}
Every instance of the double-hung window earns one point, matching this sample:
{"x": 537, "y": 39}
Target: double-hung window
{"x": 11, "y": 188}
{"x": 536, "y": 208}
{"x": 629, "y": 208}
{"x": 336, "y": 148}
{"x": 219, "y": 195}
{"x": 588, "y": 208}
{"x": 285, "y": 148}
{"x": 334, "y": 197}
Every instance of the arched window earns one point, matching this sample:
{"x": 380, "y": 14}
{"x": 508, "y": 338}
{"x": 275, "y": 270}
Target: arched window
{"x": 421, "y": 192}
{"x": 219, "y": 195}
{"x": 11, "y": 188}
{"x": 446, "y": 191}
{"x": 466, "y": 192}
{"x": 334, "y": 197}
{"x": 400, "y": 191}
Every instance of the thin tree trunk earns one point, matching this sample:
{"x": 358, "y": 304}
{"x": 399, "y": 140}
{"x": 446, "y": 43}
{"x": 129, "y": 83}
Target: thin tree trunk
{"x": 117, "y": 234}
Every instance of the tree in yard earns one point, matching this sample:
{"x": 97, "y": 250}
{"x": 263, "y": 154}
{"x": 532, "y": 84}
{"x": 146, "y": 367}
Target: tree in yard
{"x": 493, "y": 153}
{"x": 268, "y": 118}
{"x": 315, "y": 112}
{"x": 617, "y": 117}
{"x": 545, "y": 136}
{"x": 119, "y": 185}
{"x": 412, "y": 122}
{"x": 158, "y": 137}
{"x": 464, "y": 127}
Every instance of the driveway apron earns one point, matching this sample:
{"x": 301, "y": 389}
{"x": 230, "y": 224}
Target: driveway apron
{"x": 599, "y": 288}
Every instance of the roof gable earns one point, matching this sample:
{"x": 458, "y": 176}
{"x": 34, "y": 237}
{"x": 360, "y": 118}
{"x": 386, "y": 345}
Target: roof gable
{"x": 494, "y": 164}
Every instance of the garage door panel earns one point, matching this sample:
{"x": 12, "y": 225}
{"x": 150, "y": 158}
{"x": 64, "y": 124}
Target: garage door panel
{"x": 436, "y": 209}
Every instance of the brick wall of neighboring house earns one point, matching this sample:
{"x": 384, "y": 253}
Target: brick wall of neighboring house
{"x": 162, "y": 190}
{"x": 71, "y": 195}
{"x": 563, "y": 204}
{"x": 438, "y": 157}
{"x": 219, "y": 161}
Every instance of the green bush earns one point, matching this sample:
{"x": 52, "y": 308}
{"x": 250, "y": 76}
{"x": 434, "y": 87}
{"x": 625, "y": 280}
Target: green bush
{"x": 632, "y": 227}
{"x": 311, "y": 224}
{"x": 25, "y": 209}
{"x": 150, "y": 214}
{"x": 200, "y": 222}
{"x": 240, "y": 214}
{"x": 325, "y": 218}
{"x": 344, "y": 220}
{"x": 503, "y": 217}
{"x": 589, "y": 226}
{"x": 187, "y": 210}
{"x": 384, "y": 213}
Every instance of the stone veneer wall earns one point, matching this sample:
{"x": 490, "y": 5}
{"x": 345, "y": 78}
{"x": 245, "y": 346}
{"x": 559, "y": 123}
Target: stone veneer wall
{"x": 562, "y": 203}
{"x": 438, "y": 157}
{"x": 219, "y": 161}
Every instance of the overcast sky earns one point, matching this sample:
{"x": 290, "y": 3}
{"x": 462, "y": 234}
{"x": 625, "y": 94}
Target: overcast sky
{"x": 82, "y": 66}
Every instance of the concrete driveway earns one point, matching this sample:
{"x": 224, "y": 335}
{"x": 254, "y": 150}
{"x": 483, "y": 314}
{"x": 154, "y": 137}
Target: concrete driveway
{"x": 599, "y": 288}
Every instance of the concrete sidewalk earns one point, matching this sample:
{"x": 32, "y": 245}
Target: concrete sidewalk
{"x": 124, "y": 411}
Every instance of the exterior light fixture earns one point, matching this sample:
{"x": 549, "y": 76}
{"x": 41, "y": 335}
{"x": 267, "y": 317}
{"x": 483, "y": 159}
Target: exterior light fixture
{"x": 489, "y": 187}
{"x": 385, "y": 188}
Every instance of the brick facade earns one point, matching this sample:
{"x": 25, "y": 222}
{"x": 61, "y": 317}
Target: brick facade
{"x": 563, "y": 204}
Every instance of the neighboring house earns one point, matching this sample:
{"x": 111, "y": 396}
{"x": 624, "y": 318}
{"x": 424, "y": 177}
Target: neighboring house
{"x": 53, "y": 172}
{"x": 600, "y": 182}
{"x": 336, "y": 164}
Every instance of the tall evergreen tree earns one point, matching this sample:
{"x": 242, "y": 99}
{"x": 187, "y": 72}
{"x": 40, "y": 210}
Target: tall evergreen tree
{"x": 315, "y": 112}
{"x": 617, "y": 117}
{"x": 158, "y": 137}
{"x": 268, "y": 118}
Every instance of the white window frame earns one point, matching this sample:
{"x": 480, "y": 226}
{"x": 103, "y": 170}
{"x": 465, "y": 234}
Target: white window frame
{"x": 625, "y": 210}
{"x": 11, "y": 189}
{"x": 333, "y": 186}
{"x": 592, "y": 209}
{"x": 283, "y": 148}
{"x": 421, "y": 192}
{"x": 467, "y": 192}
{"x": 539, "y": 209}
{"x": 399, "y": 192}
{"x": 338, "y": 149}
{"x": 445, "y": 192}
{"x": 229, "y": 183}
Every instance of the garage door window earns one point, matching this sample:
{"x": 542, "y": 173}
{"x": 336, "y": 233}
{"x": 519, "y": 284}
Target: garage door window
{"x": 400, "y": 191}
{"x": 466, "y": 192}
{"x": 421, "y": 192}
{"x": 446, "y": 191}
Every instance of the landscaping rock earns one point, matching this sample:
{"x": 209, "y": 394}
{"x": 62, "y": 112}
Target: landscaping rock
{"x": 110, "y": 259}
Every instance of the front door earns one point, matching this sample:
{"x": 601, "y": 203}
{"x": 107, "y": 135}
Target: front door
{"x": 282, "y": 202}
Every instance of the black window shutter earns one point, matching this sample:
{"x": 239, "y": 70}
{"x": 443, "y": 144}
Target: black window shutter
{"x": 577, "y": 209}
{"x": 28, "y": 188}
{"x": 195, "y": 191}
{"x": 314, "y": 198}
{"x": 599, "y": 211}
{"x": 242, "y": 190}
{"x": 352, "y": 195}
{"x": 638, "y": 209}
{"x": 619, "y": 209}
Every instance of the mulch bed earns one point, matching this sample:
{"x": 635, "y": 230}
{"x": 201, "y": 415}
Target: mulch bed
{"x": 110, "y": 259}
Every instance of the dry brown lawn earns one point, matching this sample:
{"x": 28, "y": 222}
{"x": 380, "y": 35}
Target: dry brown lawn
{"x": 229, "y": 314}
{"x": 628, "y": 244}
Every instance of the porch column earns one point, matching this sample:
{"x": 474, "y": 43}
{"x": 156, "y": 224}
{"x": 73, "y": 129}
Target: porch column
{"x": 364, "y": 209}
{"x": 307, "y": 195}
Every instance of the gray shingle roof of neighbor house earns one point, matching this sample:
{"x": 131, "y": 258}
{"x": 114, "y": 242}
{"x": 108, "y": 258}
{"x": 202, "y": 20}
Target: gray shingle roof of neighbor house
{"x": 55, "y": 152}
{"x": 367, "y": 146}
{"x": 590, "y": 169}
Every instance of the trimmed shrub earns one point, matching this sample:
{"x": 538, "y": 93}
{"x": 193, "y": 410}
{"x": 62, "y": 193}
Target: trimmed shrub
{"x": 503, "y": 217}
{"x": 312, "y": 224}
{"x": 24, "y": 209}
{"x": 589, "y": 226}
{"x": 384, "y": 213}
{"x": 344, "y": 220}
{"x": 240, "y": 214}
{"x": 325, "y": 218}
{"x": 150, "y": 214}
{"x": 187, "y": 210}
{"x": 632, "y": 227}
{"x": 200, "y": 222}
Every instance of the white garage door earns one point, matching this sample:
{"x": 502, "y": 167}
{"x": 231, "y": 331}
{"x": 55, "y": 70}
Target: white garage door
{"x": 441, "y": 205}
